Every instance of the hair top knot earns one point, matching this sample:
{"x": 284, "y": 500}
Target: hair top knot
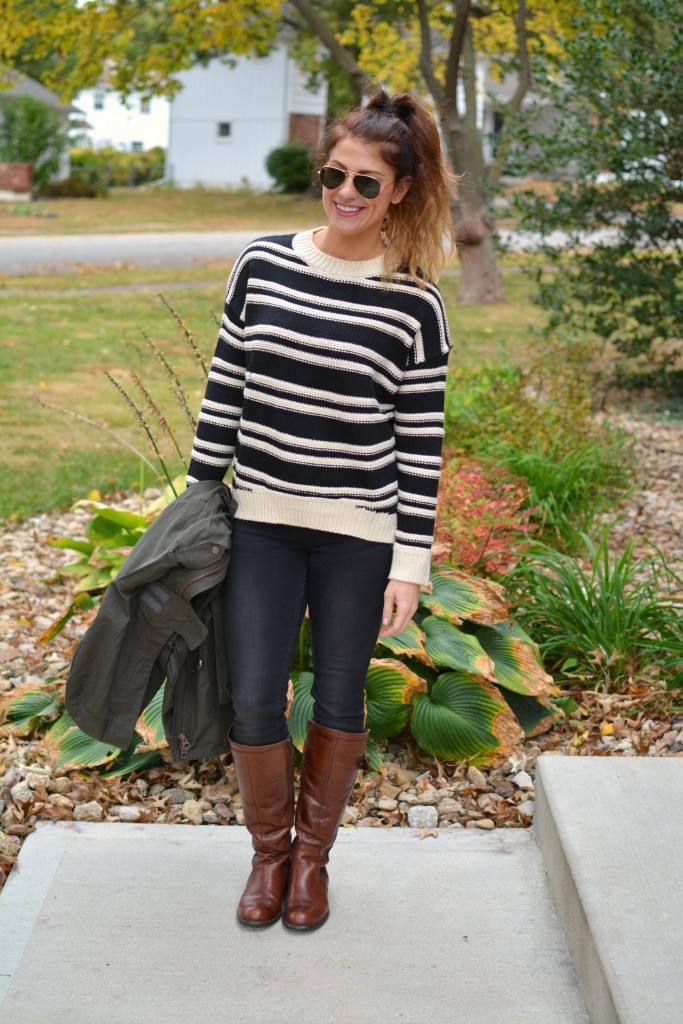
{"x": 406, "y": 136}
{"x": 399, "y": 106}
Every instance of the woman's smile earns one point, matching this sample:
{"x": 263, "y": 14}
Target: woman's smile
{"x": 347, "y": 211}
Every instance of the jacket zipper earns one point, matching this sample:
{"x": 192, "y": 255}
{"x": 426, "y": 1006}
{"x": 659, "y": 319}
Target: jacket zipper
{"x": 202, "y": 576}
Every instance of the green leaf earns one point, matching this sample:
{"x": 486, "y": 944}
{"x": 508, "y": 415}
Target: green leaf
{"x": 409, "y": 643}
{"x": 374, "y": 755}
{"x": 150, "y": 724}
{"x": 71, "y": 748}
{"x": 449, "y": 647}
{"x": 516, "y": 665}
{"x": 25, "y": 708}
{"x": 302, "y": 707}
{"x": 455, "y": 720}
{"x": 82, "y": 602}
{"x": 130, "y": 520}
{"x": 389, "y": 688}
{"x": 566, "y": 704}
{"x": 457, "y": 596}
{"x": 128, "y": 761}
{"x": 533, "y": 715}
{"x": 71, "y": 545}
{"x": 136, "y": 763}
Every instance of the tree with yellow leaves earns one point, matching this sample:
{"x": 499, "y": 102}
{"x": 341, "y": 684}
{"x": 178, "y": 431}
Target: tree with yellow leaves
{"x": 428, "y": 45}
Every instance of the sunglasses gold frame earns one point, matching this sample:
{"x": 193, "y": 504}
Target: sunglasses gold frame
{"x": 359, "y": 181}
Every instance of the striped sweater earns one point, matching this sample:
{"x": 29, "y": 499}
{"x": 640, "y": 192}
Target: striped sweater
{"x": 326, "y": 395}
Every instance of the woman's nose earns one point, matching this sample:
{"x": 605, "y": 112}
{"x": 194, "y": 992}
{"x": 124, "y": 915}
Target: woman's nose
{"x": 347, "y": 190}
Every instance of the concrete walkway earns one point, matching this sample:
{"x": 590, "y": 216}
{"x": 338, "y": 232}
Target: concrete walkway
{"x": 132, "y": 924}
{"x": 135, "y": 924}
{"x": 611, "y": 832}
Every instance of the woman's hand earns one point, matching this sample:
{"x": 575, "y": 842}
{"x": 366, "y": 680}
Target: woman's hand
{"x": 405, "y": 598}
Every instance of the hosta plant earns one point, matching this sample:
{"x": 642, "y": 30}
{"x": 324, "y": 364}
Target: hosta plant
{"x": 465, "y": 679}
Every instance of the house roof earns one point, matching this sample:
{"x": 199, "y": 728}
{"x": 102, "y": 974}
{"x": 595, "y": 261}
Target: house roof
{"x": 23, "y": 85}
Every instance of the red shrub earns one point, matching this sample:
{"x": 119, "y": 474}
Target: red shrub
{"x": 480, "y": 515}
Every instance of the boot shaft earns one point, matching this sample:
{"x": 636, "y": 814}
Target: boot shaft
{"x": 329, "y": 768}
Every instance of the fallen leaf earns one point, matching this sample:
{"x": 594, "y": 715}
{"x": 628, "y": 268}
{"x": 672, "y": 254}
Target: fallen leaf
{"x": 422, "y": 833}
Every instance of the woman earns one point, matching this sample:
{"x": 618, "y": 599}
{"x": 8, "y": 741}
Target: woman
{"x": 326, "y": 397}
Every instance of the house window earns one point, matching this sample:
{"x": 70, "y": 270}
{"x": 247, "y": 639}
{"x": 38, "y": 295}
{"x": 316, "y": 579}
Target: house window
{"x": 99, "y": 101}
{"x": 136, "y": 147}
{"x": 145, "y": 105}
{"x": 497, "y": 129}
{"x": 224, "y": 129}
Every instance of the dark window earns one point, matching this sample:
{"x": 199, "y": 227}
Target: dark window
{"x": 497, "y": 129}
{"x": 145, "y": 106}
{"x": 224, "y": 129}
{"x": 99, "y": 101}
{"x": 136, "y": 147}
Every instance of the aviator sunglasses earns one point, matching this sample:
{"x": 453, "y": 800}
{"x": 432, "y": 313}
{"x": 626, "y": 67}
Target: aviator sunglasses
{"x": 365, "y": 186}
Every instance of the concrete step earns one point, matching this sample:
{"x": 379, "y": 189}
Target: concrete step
{"x": 611, "y": 833}
{"x": 120, "y": 923}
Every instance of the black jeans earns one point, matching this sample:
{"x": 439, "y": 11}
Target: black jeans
{"x": 275, "y": 571}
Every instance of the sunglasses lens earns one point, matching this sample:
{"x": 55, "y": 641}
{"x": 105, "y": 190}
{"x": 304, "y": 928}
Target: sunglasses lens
{"x": 368, "y": 188}
{"x": 331, "y": 177}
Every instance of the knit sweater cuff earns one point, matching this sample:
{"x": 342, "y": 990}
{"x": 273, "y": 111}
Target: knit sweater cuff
{"x": 411, "y": 564}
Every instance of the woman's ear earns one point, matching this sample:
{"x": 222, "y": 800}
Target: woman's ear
{"x": 401, "y": 189}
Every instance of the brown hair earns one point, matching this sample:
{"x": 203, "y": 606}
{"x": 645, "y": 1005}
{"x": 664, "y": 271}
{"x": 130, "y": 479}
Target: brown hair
{"x": 407, "y": 138}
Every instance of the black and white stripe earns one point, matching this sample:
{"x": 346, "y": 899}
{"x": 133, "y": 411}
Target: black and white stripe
{"x": 326, "y": 394}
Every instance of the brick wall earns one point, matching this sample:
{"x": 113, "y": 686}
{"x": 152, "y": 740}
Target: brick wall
{"x": 306, "y": 129}
{"x": 15, "y": 177}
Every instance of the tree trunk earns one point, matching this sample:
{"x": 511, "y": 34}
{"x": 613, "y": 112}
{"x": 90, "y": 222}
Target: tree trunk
{"x": 481, "y": 278}
{"x": 482, "y": 281}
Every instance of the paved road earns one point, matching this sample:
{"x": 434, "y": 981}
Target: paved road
{"x": 60, "y": 253}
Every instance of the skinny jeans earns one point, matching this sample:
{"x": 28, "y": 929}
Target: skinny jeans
{"x": 275, "y": 572}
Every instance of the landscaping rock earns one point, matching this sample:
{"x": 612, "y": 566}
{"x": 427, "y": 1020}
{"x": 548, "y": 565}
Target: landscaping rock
{"x": 523, "y": 780}
{"x": 428, "y": 796}
{"x": 449, "y": 807}
{"x": 423, "y": 817}
{"x": 126, "y": 812}
{"x": 175, "y": 796}
{"x": 92, "y": 811}
{"x": 526, "y": 809}
{"x": 21, "y": 794}
{"x": 413, "y": 790}
{"x": 477, "y": 778}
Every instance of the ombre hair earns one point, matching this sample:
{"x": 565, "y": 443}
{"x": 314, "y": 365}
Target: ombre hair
{"x": 419, "y": 228}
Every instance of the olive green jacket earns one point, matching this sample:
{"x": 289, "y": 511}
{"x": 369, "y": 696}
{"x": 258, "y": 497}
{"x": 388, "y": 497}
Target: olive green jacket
{"x": 161, "y": 621}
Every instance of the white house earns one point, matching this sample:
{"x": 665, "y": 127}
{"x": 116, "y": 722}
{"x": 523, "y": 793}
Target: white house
{"x": 227, "y": 119}
{"x": 134, "y": 124}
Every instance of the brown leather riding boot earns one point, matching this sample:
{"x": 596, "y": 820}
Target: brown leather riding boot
{"x": 265, "y": 775}
{"x": 329, "y": 768}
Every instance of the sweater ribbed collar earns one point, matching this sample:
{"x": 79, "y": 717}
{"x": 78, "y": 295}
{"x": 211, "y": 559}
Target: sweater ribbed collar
{"x": 345, "y": 270}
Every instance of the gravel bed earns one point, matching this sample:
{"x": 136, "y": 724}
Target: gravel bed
{"x": 413, "y": 790}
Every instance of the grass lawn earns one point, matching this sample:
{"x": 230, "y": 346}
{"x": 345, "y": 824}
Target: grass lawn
{"x": 165, "y": 209}
{"x": 56, "y": 349}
